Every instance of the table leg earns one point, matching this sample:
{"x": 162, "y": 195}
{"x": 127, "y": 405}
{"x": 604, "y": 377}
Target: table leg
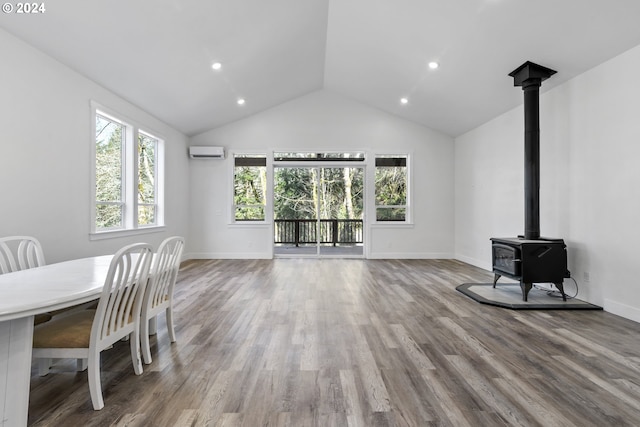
{"x": 16, "y": 342}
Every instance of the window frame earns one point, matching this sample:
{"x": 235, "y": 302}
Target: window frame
{"x": 268, "y": 211}
{"x": 158, "y": 142}
{"x": 408, "y": 220}
{"x": 130, "y": 177}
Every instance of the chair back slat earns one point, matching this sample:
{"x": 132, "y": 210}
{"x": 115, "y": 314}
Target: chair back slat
{"x": 20, "y": 253}
{"x": 165, "y": 270}
{"x": 158, "y": 296}
{"x": 121, "y": 299}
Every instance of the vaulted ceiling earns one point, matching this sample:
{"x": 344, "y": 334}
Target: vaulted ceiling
{"x": 158, "y": 54}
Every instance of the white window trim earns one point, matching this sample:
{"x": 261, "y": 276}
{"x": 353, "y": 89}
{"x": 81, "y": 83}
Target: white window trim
{"x": 112, "y": 234}
{"x": 268, "y": 210}
{"x": 130, "y": 226}
{"x": 159, "y": 177}
{"x": 408, "y": 222}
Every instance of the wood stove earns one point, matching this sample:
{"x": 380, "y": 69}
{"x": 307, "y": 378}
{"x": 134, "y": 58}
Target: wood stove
{"x": 531, "y": 259}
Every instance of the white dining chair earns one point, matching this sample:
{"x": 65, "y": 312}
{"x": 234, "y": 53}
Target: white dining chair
{"x": 84, "y": 334}
{"x": 159, "y": 293}
{"x": 20, "y": 253}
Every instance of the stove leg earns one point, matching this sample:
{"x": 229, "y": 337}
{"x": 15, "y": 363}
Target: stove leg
{"x": 526, "y": 287}
{"x": 560, "y": 287}
{"x": 496, "y": 276}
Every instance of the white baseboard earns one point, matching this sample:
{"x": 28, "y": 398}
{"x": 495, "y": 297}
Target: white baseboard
{"x": 263, "y": 255}
{"x": 233, "y": 255}
{"x": 410, "y": 255}
{"x": 622, "y": 310}
{"x": 475, "y": 262}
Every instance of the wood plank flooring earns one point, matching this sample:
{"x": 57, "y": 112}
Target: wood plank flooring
{"x": 339, "y": 342}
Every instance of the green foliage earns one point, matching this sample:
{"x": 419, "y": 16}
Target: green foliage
{"x": 294, "y": 193}
{"x": 250, "y": 213}
{"x": 249, "y": 187}
{"x": 250, "y": 192}
{"x": 391, "y": 185}
{"x": 391, "y": 193}
{"x": 146, "y": 168}
{"x": 333, "y": 193}
{"x": 391, "y": 214}
{"x": 309, "y": 192}
{"x": 109, "y": 146}
{"x": 147, "y": 148}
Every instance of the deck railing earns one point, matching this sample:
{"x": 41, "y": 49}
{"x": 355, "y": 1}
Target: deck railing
{"x": 305, "y": 231}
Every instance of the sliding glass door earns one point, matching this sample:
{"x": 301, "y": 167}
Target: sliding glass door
{"x": 318, "y": 211}
{"x": 295, "y": 211}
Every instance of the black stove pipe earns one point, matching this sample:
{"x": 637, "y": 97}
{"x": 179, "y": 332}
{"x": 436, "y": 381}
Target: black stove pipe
{"x": 531, "y": 161}
{"x": 530, "y": 76}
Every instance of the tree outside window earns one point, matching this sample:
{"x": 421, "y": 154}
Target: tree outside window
{"x": 147, "y": 148}
{"x": 109, "y": 168}
{"x": 250, "y": 187}
{"x": 127, "y": 176}
{"x": 391, "y": 188}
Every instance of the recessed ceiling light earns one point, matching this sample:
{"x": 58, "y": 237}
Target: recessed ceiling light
{"x": 216, "y": 66}
{"x": 240, "y": 101}
{"x": 433, "y": 65}
{"x": 404, "y": 101}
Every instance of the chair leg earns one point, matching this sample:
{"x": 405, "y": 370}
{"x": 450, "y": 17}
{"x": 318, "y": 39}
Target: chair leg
{"x": 144, "y": 338}
{"x": 134, "y": 341}
{"x": 170, "y": 325}
{"x": 153, "y": 325}
{"x": 44, "y": 365}
{"x": 95, "y": 387}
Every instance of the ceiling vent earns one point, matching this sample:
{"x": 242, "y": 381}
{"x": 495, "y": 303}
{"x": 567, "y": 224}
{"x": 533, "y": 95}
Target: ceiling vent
{"x": 206, "y": 152}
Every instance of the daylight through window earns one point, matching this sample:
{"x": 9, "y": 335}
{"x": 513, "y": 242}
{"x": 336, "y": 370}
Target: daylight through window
{"x": 147, "y": 149}
{"x": 127, "y": 176}
{"x": 249, "y": 187}
{"x": 391, "y": 188}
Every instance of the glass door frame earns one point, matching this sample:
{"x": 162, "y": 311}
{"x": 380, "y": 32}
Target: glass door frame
{"x": 326, "y": 164}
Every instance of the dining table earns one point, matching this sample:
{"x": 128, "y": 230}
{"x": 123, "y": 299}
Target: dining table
{"x": 24, "y": 294}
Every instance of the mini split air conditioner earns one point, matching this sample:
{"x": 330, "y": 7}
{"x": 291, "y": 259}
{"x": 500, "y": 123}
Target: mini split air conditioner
{"x": 206, "y": 152}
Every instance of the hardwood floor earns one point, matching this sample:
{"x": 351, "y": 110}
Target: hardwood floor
{"x": 337, "y": 342}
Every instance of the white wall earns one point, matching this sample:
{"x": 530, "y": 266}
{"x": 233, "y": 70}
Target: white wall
{"x": 590, "y": 181}
{"x": 325, "y": 121}
{"x": 45, "y": 137}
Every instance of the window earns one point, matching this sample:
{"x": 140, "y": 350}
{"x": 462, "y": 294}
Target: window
{"x": 127, "y": 176}
{"x": 391, "y": 188}
{"x": 147, "y": 149}
{"x": 249, "y": 187}
{"x": 110, "y": 136}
